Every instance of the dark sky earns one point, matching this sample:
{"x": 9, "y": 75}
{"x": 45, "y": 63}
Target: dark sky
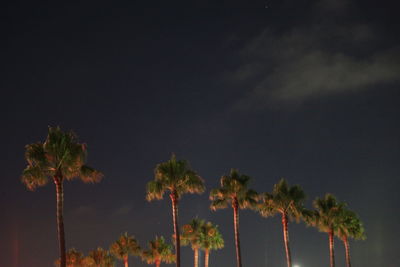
{"x": 306, "y": 90}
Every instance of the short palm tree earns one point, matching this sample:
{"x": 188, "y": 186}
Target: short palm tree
{"x": 349, "y": 226}
{"x": 177, "y": 178}
{"x": 74, "y": 258}
{"x": 287, "y": 201}
{"x": 159, "y": 251}
{"x": 211, "y": 239}
{"x": 101, "y": 258}
{"x": 125, "y": 246}
{"x": 234, "y": 191}
{"x": 109, "y": 260}
{"x": 60, "y": 157}
{"x": 191, "y": 235}
{"x": 326, "y": 218}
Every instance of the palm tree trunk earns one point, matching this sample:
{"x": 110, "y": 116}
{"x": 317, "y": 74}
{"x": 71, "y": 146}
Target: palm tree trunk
{"x": 196, "y": 257}
{"x": 126, "y": 261}
{"x": 236, "y": 227}
{"x": 286, "y": 239}
{"x": 331, "y": 248}
{"x": 206, "y": 257}
{"x": 60, "y": 219}
{"x": 174, "y": 200}
{"x": 347, "y": 247}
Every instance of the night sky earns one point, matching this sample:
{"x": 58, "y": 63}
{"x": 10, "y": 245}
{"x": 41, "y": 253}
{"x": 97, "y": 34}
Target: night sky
{"x": 306, "y": 90}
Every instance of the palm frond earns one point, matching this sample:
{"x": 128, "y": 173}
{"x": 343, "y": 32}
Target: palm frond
{"x": 90, "y": 175}
{"x": 219, "y": 204}
{"x": 267, "y": 208}
{"x": 248, "y": 200}
{"x": 155, "y": 190}
{"x": 33, "y": 177}
{"x": 35, "y": 154}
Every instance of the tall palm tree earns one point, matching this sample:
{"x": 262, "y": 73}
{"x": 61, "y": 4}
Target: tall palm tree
{"x": 125, "y": 246}
{"x": 288, "y": 201}
{"x": 74, "y": 258}
{"x": 349, "y": 226}
{"x": 177, "y": 178}
{"x": 191, "y": 235}
{"x": 158, "y": 252}
{"x": 326, "y": 218}
{"x": 60, "y": 157}
{"x": 211, "y": 239}
{"x": 101, "y": 258}
{"x": 234, "y": 191}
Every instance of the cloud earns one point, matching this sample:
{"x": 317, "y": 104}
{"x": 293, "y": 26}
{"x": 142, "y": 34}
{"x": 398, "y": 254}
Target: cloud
{"x": 305, "y": 63}
{"x": 319, "y": 74}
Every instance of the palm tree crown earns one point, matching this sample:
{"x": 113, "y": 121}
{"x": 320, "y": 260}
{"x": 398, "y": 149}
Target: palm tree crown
{"x": 59, "y": 157}
{"x": 101, "y": 258}
{"x": 98, "y": 255}
{"x": 211, "y": 237}
{"x": 284, "y": 199}
{"x": 74, "y": 258}
{"x": 125, "y": 246}
{"x": 191, "y": 233}
{"x": 327, "y": 214}
{"x": 350, "y": 226}
{"x": 176, "y": 177}
{"x": 233, "y": 190}
{"x": 159, "y": 251}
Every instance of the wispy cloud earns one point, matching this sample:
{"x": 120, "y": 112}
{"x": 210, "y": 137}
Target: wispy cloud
{"x": 305, "y": 63}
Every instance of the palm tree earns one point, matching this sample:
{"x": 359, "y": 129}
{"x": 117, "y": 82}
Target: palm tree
{"x": 211, "y": 239}
{"x": 326, "y": 218}
{"x": 60, "y": 157}
{"x": 234, "y": 191}
{"x": 101, "y": 258}
{"x": 288, "y": 201}
{"x": 176, "y": 177}
{"x": 109, "y": 260}
{"x": 74, "y": 258}
{"x": 125, "y": 246}
{"x": 349, "y": 226}
{"x": 158, "y": 252}
{"x": 191, "y": 234}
